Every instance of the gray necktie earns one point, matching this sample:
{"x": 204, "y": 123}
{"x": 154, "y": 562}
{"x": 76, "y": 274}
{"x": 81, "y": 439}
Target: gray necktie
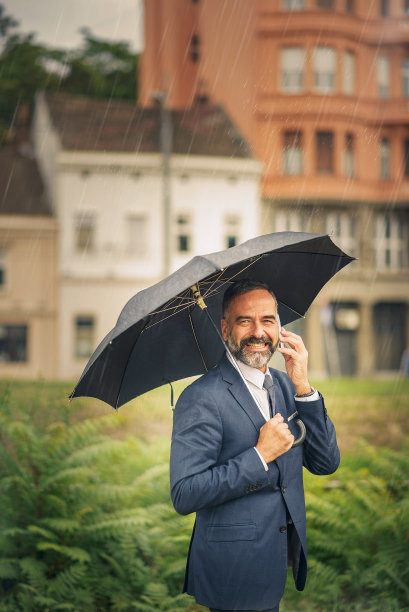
{"x": 269, "y": 386}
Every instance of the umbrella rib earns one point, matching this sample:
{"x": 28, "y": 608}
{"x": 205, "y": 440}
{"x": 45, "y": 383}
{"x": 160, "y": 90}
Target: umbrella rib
{"x": 182, "y": 299}
{"x": 169, "y": 316}
{"x": 125, "y": 368}
{"x": 196, "y": 340}
{"x": 168, "y": 306}
{"x": 210, "y": 290}
{"x": 214, "y": 281}
{"x": 292, "y": 309}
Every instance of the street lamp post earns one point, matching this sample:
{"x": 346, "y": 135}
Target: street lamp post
{"x": 166, "y": 148}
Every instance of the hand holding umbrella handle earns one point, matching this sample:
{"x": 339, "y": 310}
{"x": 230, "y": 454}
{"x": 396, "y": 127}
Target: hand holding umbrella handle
{"x": 302, "y": 435}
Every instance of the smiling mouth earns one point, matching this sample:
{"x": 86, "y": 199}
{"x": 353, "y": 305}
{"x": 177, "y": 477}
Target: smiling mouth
{"x": 257, "y": 346}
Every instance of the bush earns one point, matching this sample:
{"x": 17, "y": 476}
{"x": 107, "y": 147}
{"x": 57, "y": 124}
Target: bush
{"x": 358, "y": 534}
{"x": 86, "y": 521}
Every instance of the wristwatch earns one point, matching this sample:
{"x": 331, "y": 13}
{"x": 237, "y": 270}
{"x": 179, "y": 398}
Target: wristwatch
{"x": 307, "y": 394}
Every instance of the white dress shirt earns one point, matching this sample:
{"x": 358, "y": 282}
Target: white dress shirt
{"x": 255, "y": 380}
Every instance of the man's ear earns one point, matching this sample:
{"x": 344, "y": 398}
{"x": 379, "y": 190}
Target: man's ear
{"x": 223, "y": 325}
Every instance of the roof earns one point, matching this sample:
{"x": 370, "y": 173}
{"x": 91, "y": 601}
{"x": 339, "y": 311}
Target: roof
{"x": 86, "y": 124}
{"x": 21, "y": 187}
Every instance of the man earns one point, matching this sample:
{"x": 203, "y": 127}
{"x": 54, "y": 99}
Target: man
{"x": 232, "y": 461}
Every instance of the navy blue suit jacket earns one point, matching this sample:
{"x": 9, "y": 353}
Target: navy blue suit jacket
{"x": 249, "y": 521}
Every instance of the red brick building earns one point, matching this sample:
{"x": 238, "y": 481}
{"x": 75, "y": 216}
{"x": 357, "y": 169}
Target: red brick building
{"x": 320, "y": 89}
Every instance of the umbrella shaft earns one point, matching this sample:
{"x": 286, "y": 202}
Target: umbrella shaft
{"x": 233, "y": 360}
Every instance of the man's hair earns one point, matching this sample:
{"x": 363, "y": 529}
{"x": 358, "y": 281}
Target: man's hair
{"x": 240, "y": 287}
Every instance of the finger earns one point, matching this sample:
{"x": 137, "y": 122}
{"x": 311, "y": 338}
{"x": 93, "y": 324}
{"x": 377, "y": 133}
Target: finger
{"x": 291, "y": 338}
{"x": 294, "y": 343}
{"x": 277, "y": 418}
{"x": 287, "y": 433}
{"x": 284, "y": 350}
{"x": 290, "y": 334}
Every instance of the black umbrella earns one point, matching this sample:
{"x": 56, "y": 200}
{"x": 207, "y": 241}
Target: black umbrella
{"x": 167, "y": 332}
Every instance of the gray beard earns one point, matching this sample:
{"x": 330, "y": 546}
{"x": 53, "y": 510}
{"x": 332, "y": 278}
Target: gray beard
{"x": 254, "y": 360}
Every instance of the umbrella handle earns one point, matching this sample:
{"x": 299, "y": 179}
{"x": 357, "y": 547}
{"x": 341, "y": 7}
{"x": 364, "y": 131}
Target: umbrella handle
{"x": 302, "y": 435}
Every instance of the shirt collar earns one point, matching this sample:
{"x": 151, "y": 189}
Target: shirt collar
{"x": 253, "y": 375}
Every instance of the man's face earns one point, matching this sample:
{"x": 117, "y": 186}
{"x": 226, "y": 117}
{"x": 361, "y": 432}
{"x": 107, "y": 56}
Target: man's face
{"x": 250, "y": 328}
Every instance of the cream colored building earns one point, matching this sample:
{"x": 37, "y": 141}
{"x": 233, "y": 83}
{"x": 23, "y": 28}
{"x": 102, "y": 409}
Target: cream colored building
{"x": 102, "y": 164}
{"x": 320, "y": 90}
{"x": 28, "y": 271}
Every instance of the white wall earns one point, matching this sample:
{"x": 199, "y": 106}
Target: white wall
{"x": 209, "y": 198}
{"x": 111, "y": 199}
{"x": 113, "y": 186}
{"x": 101, "y": 300}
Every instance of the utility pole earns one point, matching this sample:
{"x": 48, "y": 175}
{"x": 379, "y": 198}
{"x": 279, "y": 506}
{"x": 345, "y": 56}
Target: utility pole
{"x": 166, "y": 149}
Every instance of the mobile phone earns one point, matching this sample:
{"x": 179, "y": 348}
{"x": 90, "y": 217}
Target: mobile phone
{"x": 280, "y": 338}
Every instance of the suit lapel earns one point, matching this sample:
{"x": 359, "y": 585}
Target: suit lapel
{"x": 240, "y": 393}
{"x": 246, "y": 401}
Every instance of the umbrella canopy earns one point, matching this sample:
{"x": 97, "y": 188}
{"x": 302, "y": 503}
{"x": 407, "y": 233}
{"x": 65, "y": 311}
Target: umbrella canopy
{"x": 163, "y": 333}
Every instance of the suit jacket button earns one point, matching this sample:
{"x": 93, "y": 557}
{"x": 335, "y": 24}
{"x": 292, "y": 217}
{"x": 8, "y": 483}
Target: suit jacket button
{"x": 283, "y": 529}
{"x": 283, "y": 489}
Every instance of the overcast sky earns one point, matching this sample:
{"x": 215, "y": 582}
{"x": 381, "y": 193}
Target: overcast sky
{"x": 57, "y": 22}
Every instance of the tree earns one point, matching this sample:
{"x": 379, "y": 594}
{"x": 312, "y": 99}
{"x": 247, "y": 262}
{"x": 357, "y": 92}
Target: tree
{"x": 22, "y": 72}
{"x": 6, "y": 22}
{"x": 102, "y": 69}
{"x": 99, "y": 69}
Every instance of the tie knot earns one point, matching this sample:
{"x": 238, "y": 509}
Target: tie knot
{"x": 268, "y": 382}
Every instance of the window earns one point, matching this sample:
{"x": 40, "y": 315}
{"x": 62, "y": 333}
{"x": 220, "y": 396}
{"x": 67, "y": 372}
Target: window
{"x": 3, "y": 269}
{"x": 385, "y": 159}
{"x": 327, "y": 5}
{"x": 406, "y": 157}
{"x": 232, "y": 229}
{"x": 325, "y": 152}
{"x": 293, "y": 5}
{"x": 348, "y": 73}
{"x": 383, "y": 77}
{"x": 84, "y": 336}
{"x": 136, "y": 235}
{"x": 389, "y": 332}
{"x": 405, "y": 77}
{"x": 324, "y": 59}
{"x": 390, "y": 242}
{"x": 349, "y": 156}
{"x": 406, "y": 7}
{"x": 286, "y": 221}
{"x": 342, "y": 227}
{"x": 292, "y": 153}
{"x": 183, "y": 234}
{"x": 350, "y": 6}
{"x": 384, "y": 8}
{"x": 85, "y": 232}
{"x": 13, "y": 343}
{"x": 292, "y": 69}
{"x": 195, "y": 48}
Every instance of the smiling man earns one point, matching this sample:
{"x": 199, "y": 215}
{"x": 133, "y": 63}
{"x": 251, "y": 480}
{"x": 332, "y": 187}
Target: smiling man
{"x": 234, "y": 464}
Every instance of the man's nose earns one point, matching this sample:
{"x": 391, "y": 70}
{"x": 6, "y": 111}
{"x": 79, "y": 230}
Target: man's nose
{"x": 258, "y": 329}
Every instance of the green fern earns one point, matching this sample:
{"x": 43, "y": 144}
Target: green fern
{"x": 86, "y": 524}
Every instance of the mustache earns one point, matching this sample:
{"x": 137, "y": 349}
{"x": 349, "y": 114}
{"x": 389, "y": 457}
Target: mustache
{"x": 254, "y": 340}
